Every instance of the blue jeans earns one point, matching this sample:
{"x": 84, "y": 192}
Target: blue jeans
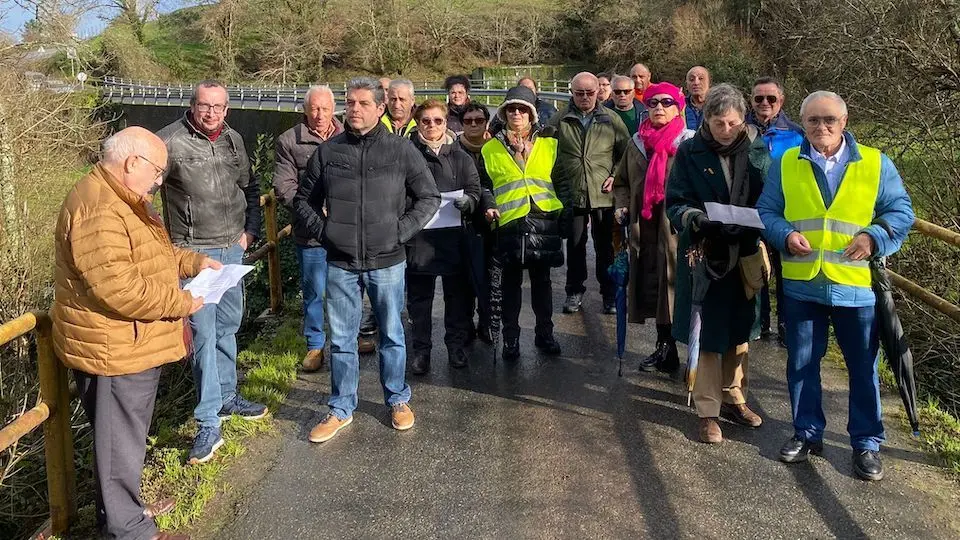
{"x": 313, "y": 283}
{"x": 385, "y": 287}
{"x": 215, "y": 344}
{"x": 856, "y": 333}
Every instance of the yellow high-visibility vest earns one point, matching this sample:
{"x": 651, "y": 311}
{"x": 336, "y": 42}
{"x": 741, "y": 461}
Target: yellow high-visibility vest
{"x": 515, "y": 188}
{"x": 405, "y": 131}
{"x": 829, "y": 230}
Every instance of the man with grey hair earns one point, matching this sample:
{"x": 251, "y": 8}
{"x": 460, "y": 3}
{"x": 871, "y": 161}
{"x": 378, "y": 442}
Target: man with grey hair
{"x": 625, "y": 104}
{"x": 698, "y": 84}
{"x": 398, "y": 117}
{"x": 833, "y": 208}
{"x": 293, "y": 150}
{"x": 118, "y": 317}
{"x": 211, "y": 203}
{"x": 368, "y": 193}
{"x": 592, "y": 139}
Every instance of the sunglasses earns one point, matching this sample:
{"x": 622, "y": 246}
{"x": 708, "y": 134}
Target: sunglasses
{"x": 666, "y": 102}
{"x": 584, "y": 93}
{"x": 512, "y": 108}
{"x": 770, "y": 99}
{"x": 622, "y": 92}
{"x": 474, "y": 121}
{"x": 426, "y": 121}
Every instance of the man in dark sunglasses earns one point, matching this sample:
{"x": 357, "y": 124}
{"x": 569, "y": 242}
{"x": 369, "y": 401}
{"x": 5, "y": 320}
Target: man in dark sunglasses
{"x": 592, "y": 139}
{"x": 767, "y": 114}
{"x": 625, "y": 104}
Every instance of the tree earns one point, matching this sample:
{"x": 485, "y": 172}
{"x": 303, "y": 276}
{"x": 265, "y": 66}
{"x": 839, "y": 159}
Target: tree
{"x": 221, "y": 25}
{"x": 135, "y": 13}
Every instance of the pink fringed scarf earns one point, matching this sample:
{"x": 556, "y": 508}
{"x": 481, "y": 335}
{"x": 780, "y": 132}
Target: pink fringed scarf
{"x": 660, "y": 147}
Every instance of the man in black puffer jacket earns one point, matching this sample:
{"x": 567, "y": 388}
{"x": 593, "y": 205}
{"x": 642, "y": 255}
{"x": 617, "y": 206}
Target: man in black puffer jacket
{"x": 366, "y": 193}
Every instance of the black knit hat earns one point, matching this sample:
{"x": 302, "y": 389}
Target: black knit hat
{"x": 520, "y": 95}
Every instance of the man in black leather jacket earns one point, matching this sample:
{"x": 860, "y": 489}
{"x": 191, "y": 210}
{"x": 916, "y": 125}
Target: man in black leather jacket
{"x": 211, "y": 204}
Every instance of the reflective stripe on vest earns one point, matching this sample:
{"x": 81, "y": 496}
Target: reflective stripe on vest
{"x": 405, "y": 131}
{"x": 515, "y": 188}
{"x": 829, "y": 230}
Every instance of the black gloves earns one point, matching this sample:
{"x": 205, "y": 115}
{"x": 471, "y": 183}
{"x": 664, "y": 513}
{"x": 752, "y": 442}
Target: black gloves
{"x": 704, "y": 228}
{"x": 464, "y": 204}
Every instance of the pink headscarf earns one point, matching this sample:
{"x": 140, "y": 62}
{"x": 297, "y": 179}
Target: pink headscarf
{"x": 659, "y": 144}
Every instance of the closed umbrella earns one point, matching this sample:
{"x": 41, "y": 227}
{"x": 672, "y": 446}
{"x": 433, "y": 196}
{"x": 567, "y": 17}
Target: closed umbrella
{"x": 894, "y": 341}
{"x": 476, "y": 265}
{"x": 495, "y": 296}
{"x": 699, "y": 285}
{"x": 619, "y": 273}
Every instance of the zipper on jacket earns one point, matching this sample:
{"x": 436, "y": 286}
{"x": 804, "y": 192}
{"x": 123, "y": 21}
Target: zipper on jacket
{"x": 363, "y": 179}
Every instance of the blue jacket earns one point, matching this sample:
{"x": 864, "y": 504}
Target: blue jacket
{"x": 780, "y": 135}
{"x": 893, "y": 217}
{"x": 692, "y": 115}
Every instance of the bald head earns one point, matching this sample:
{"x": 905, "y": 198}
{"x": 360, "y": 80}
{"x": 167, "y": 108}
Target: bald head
{"x": 641, "y": 77}
{"x": 698, "y": 82}
{"x": 136, "y": 157}
{"x": 585, "y": 86}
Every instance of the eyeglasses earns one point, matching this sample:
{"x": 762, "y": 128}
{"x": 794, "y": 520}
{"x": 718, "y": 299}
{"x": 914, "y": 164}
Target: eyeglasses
{"x": 159, "y": 170}
{"x": 770, "y": 99}
{"x": 622, "y": 91}
{"x": 584, "y": 93}
{"x": 474, "y": 121}
{"x": 426, "y": 121}
{"x": 206, "y": 107}
{"x": 814, "y": 121}
{"x": 512, "y": 108}
{"x": 666, "y": 102}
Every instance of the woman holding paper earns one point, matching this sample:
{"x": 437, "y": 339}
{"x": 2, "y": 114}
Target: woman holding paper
{"x": 725, "y": 162}
{"x": 638, "y": 190}
{"x": 440, "y": 248}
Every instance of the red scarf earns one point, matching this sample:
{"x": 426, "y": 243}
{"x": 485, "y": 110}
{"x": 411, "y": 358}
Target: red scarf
{"x": 660, "y": 147}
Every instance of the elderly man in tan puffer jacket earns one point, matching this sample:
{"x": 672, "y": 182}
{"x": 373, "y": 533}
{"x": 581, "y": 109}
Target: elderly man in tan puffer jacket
{"x": 118, "y": 315}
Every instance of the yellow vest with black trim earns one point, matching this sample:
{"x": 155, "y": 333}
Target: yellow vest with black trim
{"x": 513, "y": 188}
{"x": 405, "y": 131}
{"x": 829, "y": 230}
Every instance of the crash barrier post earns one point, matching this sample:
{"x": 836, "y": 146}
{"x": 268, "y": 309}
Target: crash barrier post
{"x": 53, "y": 413}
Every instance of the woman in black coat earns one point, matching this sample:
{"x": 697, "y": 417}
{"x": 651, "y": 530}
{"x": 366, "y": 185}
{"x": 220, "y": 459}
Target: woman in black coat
{"x": 437, "y": 251}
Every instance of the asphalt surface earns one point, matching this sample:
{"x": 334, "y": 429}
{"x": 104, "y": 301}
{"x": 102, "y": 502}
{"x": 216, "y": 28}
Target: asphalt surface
{"x": 564, "y": 448}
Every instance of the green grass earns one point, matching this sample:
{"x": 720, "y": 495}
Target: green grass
{"x": 270, "y": 364}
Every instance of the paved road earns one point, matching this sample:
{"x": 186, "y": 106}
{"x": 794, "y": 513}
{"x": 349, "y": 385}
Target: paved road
{"x": 563, "y": 448}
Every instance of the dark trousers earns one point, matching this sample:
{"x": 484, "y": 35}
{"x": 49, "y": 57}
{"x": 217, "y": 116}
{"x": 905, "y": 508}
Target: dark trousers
{"x": 541, "y": 299}
{"x": 601, "y": 229}
{"x": 765, "y": 312}
{"x": 457, "y": 314}
{"x": 120, "y": 409}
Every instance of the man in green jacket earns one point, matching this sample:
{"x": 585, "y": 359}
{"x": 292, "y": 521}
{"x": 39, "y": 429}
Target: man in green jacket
{"x": 592, "y": 139}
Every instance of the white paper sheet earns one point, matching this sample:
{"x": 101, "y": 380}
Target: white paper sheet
{"x": 447, "y": 215}
{"x": 733, "y": 215}
{"x": 211, "y": 284}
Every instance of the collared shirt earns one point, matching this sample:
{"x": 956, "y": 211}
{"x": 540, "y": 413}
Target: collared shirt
{"x": 585, "y": 118}
{"x": 832, "y": 166}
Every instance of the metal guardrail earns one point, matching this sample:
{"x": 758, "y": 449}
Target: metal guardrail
{"x": 944, "y": 306}
{"x": 289, "y": 98}
{"x": 53, "y": 413}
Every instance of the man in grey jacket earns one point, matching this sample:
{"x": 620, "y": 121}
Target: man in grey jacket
{"x": 294, "y": 148}
{"x": 211, "y": 204}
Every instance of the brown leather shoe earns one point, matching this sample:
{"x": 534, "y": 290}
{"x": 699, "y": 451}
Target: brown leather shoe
{"x": 328, "y": 428}
{"x": 366, "y": 343}
{"x": 159, "y": 508}
{"x": 741, "y": 414}
{"x": 402, "y": 416}
{"x": 313, "y": 361}
{"x": 710, "y": 431}
{"x": 169, "y": 536}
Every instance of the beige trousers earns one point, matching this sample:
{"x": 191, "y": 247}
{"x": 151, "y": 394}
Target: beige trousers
{"x": 720, "y": 378}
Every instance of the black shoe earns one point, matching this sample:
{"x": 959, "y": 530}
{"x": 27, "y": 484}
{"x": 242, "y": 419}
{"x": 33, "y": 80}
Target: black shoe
{"x": 420, "y": 365}
{"x": 471, "y": 335}
{"x": 511, "y": 350}
{"x": 867, "y": 465}
{"x": 782, "y": 336}
{"x": 765, "y": 332}
{"x": 671, "y": 359}
{"x": 573, "y": 303}
{"x": 609, "y": 308}
{"x": 483, "y": 334}
{"x": 651, "y": 362}
{"x": 796, "y": 449}
{"x": 548, "y": 345}
{"x": 458, "y": 359}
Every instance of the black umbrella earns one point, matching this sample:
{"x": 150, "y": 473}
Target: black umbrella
{"x": 495, "y": 290}
{"x": 476, "y": 265}
{"x": 894, "y": 341}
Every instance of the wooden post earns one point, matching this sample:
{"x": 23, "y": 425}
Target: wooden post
{"x": 273, "y": 255}
{"x": 57, "y": 437}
